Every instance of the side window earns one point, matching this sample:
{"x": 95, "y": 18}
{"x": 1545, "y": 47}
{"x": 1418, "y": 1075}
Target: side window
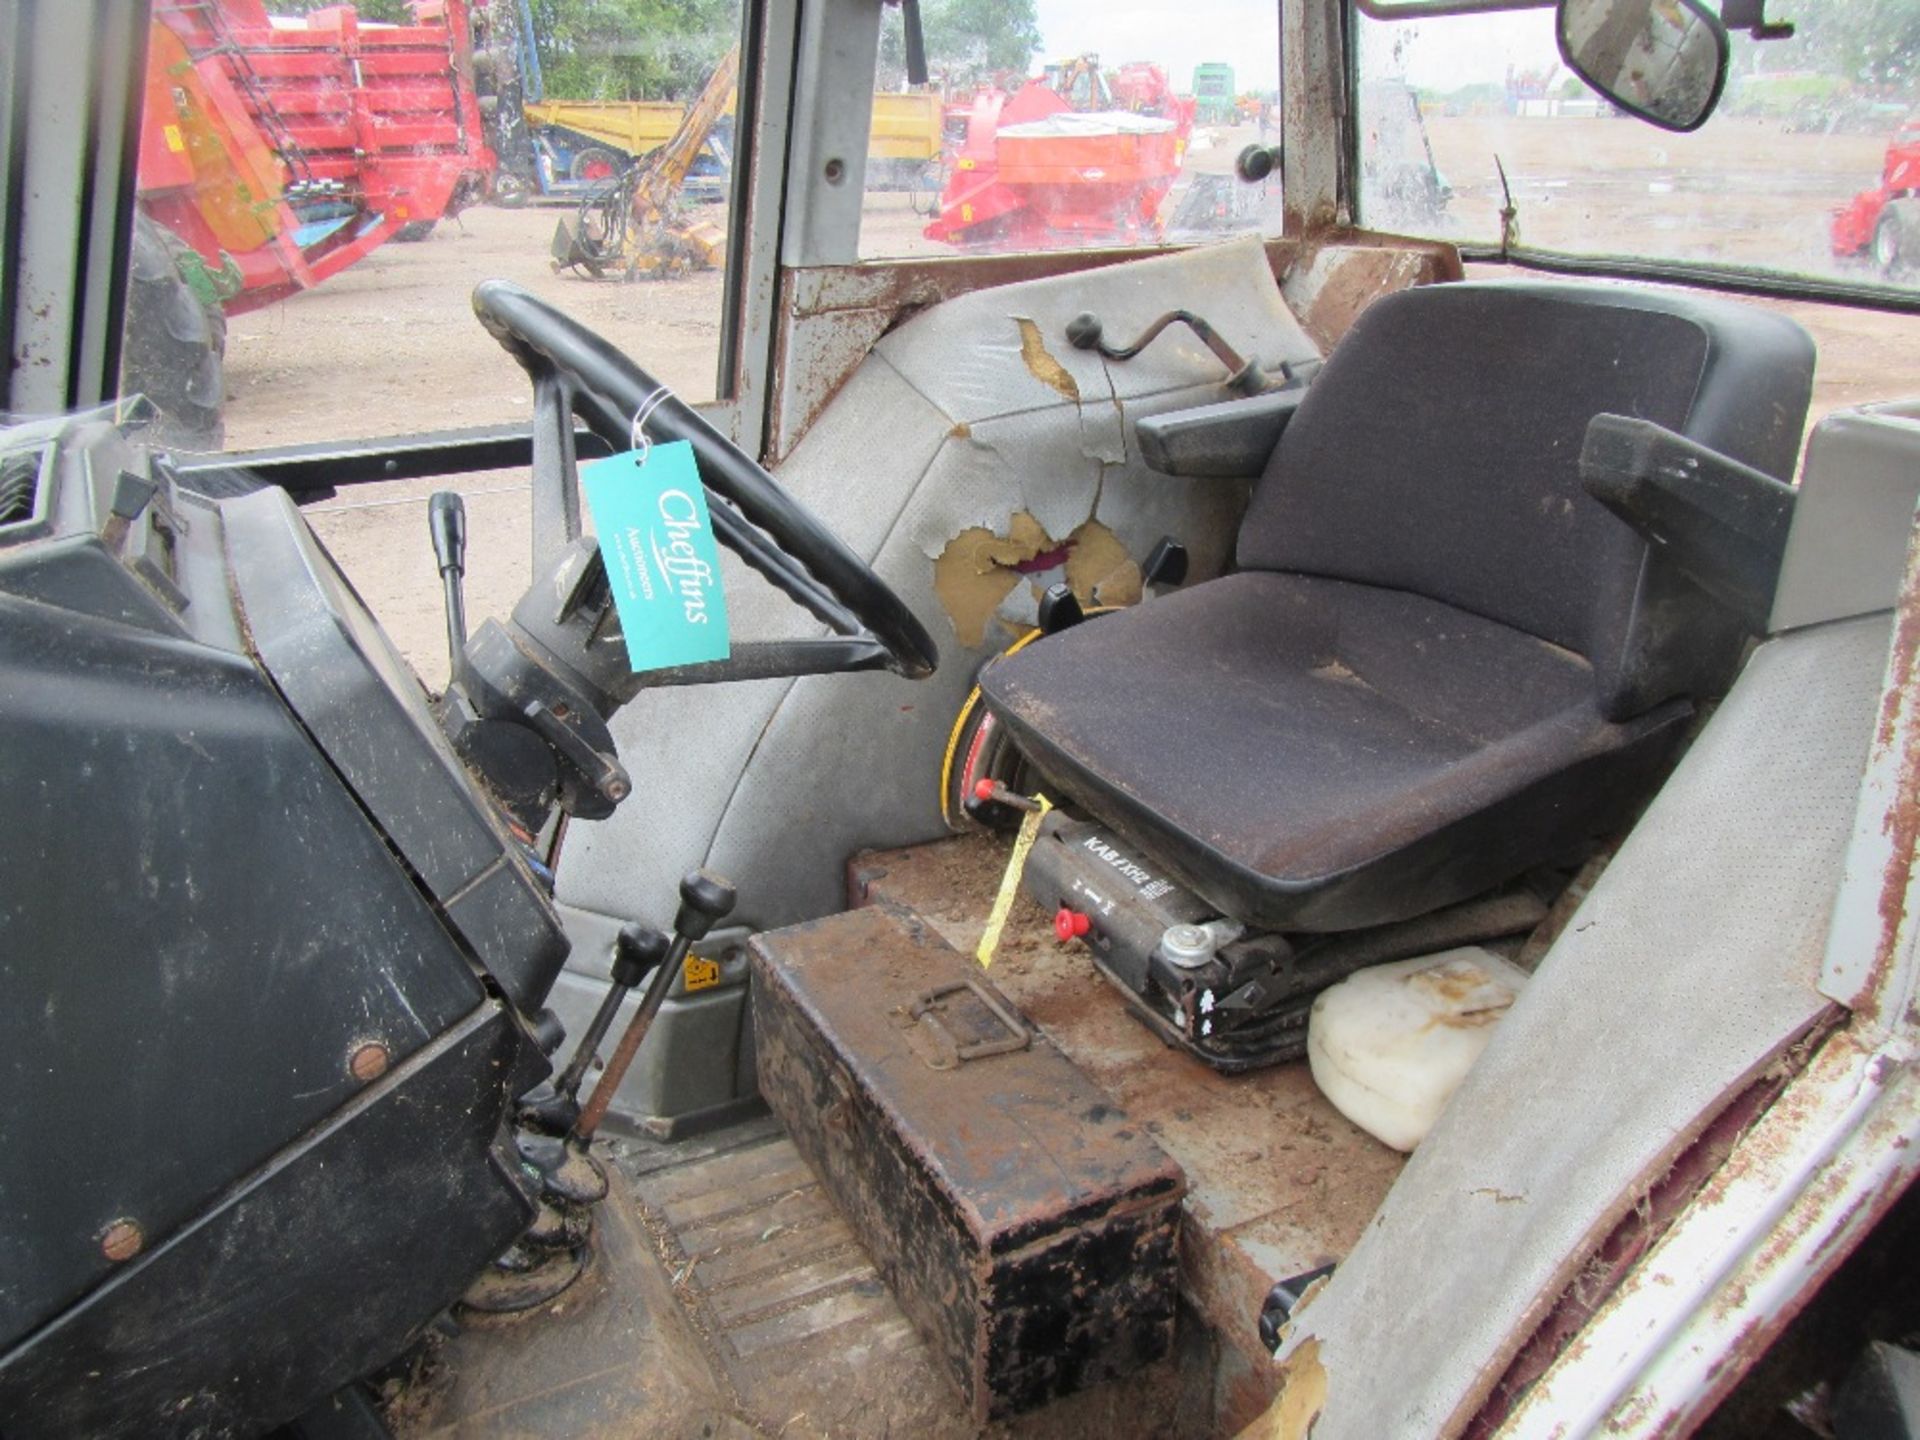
{"x": 1810, "y": 166}
{"x": 321, "y": 187}
{"x": 1052, "y": 125}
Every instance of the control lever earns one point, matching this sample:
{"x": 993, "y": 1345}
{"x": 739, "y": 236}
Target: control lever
{"x": 705, "y": 900}
{"x": 1086, "y": 332}
{"x": 636, "y": 950}
{"x": 447, "y": 523}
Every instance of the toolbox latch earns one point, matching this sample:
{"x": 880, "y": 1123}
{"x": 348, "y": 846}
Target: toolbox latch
{"x": 947, "y": 1053}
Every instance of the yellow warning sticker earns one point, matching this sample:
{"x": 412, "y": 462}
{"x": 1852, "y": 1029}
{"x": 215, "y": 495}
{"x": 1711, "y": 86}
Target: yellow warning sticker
{"x": 701, "y": 974}
{"x": 175, "y": 142}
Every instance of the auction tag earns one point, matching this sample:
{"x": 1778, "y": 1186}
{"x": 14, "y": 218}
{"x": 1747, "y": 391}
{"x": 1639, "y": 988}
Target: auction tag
{"x": 650, "y": 512}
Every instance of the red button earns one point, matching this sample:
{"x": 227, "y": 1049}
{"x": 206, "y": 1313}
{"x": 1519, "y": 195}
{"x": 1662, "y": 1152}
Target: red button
{"x": 983, "y": 789}
{"x": 1069, "y": 925}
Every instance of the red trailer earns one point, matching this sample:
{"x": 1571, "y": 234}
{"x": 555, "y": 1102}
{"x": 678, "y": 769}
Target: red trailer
{"x": 282, "y": 150}
{"x": 274, "y": 153}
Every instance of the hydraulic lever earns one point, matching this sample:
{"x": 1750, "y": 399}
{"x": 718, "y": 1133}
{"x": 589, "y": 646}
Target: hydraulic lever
{"x": 447, "y": 524}
{"x": 636, "y": 951}
{"x": 705, "y": 900}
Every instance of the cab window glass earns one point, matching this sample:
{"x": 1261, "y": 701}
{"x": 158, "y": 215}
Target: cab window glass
{"x": 321, "y": 187}
{"x": 1810, "y": 165}
{"x": 1057, "y": 124}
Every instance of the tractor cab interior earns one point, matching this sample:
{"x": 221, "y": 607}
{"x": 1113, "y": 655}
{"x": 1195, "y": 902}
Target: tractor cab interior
{"x": 1224, "y": 826}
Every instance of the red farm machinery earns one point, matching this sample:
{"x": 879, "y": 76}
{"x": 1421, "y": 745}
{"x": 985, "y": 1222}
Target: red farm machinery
{"x": 1882, "y": 225}
{"x": 276, "y": 152}
{"x": 1077, "y": 157}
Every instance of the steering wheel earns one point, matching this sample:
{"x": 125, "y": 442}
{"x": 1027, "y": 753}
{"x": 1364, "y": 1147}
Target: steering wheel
{"x": 576, "y": 372}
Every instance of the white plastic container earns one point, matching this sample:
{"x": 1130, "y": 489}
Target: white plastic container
{"x": 1389, "y": 1045}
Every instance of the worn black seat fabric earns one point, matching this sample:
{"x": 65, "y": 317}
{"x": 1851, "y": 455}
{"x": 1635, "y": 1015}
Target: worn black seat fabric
{"x": 1441, "y": 662}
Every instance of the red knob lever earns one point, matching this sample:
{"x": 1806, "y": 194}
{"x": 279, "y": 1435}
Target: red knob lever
{"x": 1070, "y": 924}
{"x": 992, "y": 790}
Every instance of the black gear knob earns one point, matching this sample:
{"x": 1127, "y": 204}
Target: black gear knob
{"x": 704, "y": 899}
{"x": 636, "y": 950}
{"x": 1256, "y": 162}
{"x": 447, "y": 523}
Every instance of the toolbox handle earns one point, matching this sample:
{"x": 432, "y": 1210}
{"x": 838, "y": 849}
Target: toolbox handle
{"x": 1019, "y": 1037}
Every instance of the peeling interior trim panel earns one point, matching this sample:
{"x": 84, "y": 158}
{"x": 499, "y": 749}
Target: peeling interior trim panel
{"x": 943, "y": 428}
{"x": 1692, "y": 963}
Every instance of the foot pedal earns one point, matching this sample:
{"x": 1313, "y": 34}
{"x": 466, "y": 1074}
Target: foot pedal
{"x": 524, "y": 1279}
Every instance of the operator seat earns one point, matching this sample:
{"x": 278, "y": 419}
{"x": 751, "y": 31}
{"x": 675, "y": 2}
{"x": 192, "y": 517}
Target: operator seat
{"x": 1439, "y": 662}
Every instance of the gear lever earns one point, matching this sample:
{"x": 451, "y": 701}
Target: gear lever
{"x": 447, "y": 523}
{"x": 705, "y": 899}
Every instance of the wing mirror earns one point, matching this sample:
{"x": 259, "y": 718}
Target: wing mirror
{"x": 1662, "y": 60}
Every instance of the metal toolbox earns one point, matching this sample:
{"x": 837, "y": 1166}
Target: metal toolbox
{"x": 1026, "y": 1226}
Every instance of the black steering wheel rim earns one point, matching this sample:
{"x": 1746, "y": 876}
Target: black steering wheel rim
{"x": 577, "y": 372}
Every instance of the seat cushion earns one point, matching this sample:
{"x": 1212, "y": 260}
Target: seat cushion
{"x": 1317, "y": 754}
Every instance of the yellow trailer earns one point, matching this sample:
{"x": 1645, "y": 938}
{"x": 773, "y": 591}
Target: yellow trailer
{"x": 905, "y": 126}
{"x": 633, "y": 126}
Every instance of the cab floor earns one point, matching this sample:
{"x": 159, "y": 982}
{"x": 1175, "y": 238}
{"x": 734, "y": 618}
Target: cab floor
{"x": 729, "y": 1298}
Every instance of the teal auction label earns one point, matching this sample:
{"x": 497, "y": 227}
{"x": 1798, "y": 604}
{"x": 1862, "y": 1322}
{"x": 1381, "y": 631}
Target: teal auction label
{"x": 649, "y": 510}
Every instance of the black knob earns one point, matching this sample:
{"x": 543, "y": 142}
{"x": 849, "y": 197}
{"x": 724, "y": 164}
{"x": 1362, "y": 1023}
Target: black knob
{"x": 1256, "y": 162}
{"x": 1060, "y": 609}
{"x": 704, "y": 898}
{"x": 1166, "y": 563}
{"x": 447, "y": 521}
{"x": 636, "y": 950}
{"x": 1083, "y": 331}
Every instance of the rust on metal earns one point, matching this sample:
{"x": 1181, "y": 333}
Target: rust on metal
{"x": 1334, "y": 280}
{"x": 1903, "y": 812}
{"x": 833, "y": 315}
{"x": 121, "y": 1241}
{"x": 369, "y": 1061}
{"x": 1004, "y": 1200}
{"x": 1696, "y": 1175}
{"x": 1278, "y": 1181}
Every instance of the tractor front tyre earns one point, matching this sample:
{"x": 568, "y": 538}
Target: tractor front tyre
{"x": 416, "y": 232}
{"x": 173, "y": 345}
{"x": 1890, "y": 239}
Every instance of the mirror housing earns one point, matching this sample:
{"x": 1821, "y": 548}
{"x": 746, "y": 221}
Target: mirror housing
{"x": 1664, "y": 61}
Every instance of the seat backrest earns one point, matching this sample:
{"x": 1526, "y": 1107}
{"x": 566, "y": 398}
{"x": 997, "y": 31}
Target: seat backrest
{"x": 1438, "y": 453}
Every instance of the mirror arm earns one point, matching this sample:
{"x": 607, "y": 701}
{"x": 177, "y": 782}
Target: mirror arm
{"x": 1751, "y": 16}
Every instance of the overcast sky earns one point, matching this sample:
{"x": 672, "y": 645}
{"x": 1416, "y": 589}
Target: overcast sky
{"x": 1443, "y": 54}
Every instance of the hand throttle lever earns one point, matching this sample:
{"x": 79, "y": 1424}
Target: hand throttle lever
{"x": 705, "y": 899}
{"x": 447, "y": 524}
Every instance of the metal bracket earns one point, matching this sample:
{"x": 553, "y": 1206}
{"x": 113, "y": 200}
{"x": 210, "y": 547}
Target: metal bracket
{"x": 927, "y": 1008}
